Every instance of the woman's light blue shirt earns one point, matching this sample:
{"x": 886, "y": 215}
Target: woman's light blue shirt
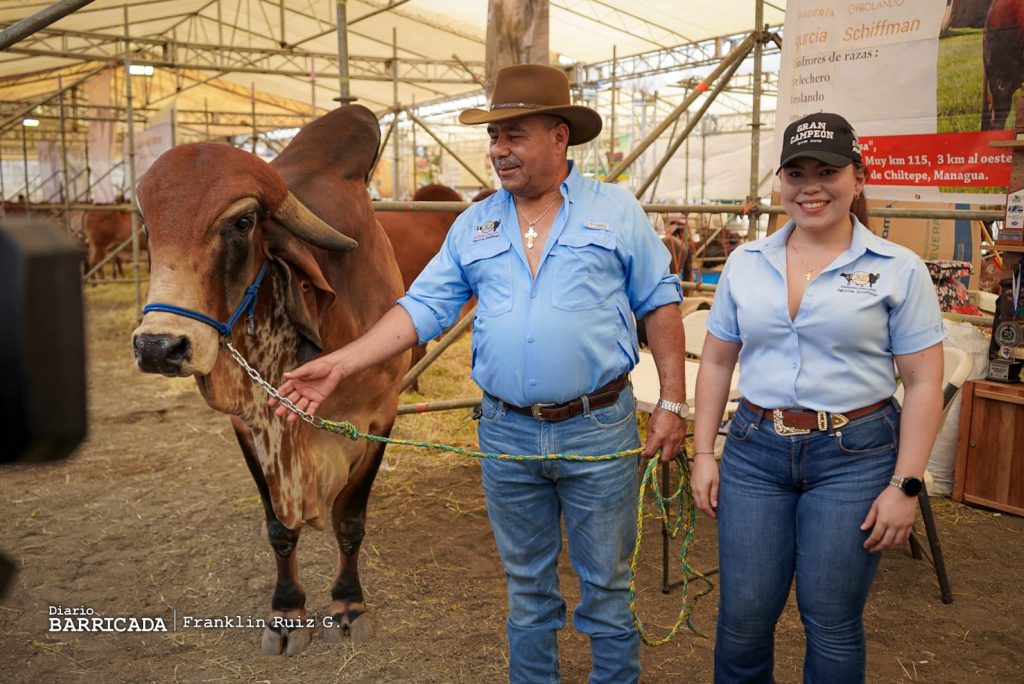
{"x": 874, "y": 301}
{"x": 568, "y": 331}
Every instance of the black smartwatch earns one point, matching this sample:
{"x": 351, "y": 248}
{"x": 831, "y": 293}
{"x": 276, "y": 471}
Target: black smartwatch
{"x": 911, "y": 486}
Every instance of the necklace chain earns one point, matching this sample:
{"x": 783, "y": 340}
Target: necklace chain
{"x": 530, "y": 233}
{"x": 810, "y": 271}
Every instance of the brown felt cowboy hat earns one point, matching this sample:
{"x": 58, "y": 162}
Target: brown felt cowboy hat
{"x": 525, "y": 89}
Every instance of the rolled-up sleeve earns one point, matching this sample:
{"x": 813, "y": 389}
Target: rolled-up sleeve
{"x": 436, "y": 296}
{"x": 649, "y": 284}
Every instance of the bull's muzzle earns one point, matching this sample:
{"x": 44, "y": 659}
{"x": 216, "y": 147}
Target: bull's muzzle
{"x": 164, "y": 354}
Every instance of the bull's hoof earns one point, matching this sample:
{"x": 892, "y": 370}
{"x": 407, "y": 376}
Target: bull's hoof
{"x": 291, "y": 642}
{"x": 298, "y": 640}
{"x": 272, "y": 642}
{"x": 359, "y": 629}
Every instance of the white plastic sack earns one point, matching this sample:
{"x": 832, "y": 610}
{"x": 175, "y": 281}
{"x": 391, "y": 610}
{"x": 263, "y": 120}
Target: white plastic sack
{"x": 969, "y": 339}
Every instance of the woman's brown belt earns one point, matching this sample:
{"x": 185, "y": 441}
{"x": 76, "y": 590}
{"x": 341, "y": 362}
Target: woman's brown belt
{"x": 795, "y": 421}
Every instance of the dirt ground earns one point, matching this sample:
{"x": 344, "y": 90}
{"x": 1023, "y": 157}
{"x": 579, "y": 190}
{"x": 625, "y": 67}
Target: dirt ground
{"x": 156, "y": 516}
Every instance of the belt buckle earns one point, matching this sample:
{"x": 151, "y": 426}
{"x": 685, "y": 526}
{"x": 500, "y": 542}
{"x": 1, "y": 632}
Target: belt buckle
{"x": 783, "y": 429}
{"x": 535, "y": 409}
{"x": 838, "y": 421}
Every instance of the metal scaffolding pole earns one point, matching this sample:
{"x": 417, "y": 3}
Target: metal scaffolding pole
{"x": 726, "y": 62}
{"x": 719, "y": 86}
{"x": 131, "y": 159}
{"x": 611, "y": 116}
{"x": 26, "y": 110}
{"x": 383, "y": 146}
{"x": 419, "y": 122}
{"x": 30, "y": 24}
{"x": 341, "y": 21}
{"x": 396, "y": 109}
{"x": 64, "y": 161}
{"x": 252, "y": 105}
{"x": 24, "y": 160}
{"x": 755, "y": 116}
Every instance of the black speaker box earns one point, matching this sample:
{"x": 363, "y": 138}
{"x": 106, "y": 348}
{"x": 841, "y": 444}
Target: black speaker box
{"x": 42, "y": 351}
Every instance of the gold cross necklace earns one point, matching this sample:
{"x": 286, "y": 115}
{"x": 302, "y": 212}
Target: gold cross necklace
{"x": 530, "y": 233}
{"x": 810, "y": 272}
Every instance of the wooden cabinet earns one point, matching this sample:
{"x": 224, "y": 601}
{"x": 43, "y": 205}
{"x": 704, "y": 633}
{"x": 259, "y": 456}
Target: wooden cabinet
{"x": 990, "y": 448}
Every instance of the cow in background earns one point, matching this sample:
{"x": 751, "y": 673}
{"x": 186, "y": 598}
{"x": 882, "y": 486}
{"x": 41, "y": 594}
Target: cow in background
{"x": 104, "y": 230}
{"x": 1003, "y": 57}
{"x": 217, "y": 217}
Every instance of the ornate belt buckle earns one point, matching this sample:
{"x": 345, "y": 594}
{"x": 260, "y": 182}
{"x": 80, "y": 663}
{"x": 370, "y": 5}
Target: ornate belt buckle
{"x": 535, "y": 409}
{"x": 838, "y": 421}
{"x": 783, "y": 429}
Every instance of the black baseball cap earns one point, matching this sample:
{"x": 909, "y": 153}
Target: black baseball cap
{"x": 826, "y": 137}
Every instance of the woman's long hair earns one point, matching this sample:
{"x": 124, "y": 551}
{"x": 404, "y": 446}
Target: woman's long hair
{"x": 859, "y": 207}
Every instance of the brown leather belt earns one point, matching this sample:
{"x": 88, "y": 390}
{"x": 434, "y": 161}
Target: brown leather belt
{"x": 599, "y": 398}
{"x": 801, "y": 421}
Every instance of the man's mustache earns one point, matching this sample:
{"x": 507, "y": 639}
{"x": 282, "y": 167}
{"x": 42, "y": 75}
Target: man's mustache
{"x": 509, "y": 162}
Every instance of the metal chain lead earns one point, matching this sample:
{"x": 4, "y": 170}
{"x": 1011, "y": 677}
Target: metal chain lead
{"x": 269, "y": 389}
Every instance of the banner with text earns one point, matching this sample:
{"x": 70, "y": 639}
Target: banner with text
{"x": 912, "y": 83}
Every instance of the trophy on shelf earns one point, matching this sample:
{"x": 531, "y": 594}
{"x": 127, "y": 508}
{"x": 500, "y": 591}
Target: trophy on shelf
{"x": 1006, "y": 351}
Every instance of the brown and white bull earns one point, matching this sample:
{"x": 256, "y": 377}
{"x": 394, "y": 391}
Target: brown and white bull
{"x": 214, "y": 214}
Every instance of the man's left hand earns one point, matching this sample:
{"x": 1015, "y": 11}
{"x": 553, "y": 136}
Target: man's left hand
{"x": 665, "y": 432}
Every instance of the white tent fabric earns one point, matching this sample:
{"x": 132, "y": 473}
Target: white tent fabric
{"x": 427, "y": 32}
{"x": 219, "y": 62}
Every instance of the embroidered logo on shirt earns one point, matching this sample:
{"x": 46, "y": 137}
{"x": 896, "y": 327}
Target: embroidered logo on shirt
{"x": 596, "y": 225}
{"x": 860, "y": 282}
{"x": 486, "y": 230}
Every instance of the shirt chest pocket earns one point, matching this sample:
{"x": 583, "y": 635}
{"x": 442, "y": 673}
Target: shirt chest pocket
{"x": 584, "y": 269}
{"x": 488, "y": 267}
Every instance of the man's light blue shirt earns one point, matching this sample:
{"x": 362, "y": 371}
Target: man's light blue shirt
{"x": 568, "y": 331}
{"x": 874, "y": 301}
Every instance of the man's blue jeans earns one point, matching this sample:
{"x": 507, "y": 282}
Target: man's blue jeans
{"x": 525, "y": 501}
{"x": 793, "y": 505}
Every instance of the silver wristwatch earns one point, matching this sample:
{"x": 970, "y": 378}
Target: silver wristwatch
{"x": 680, "y": 408}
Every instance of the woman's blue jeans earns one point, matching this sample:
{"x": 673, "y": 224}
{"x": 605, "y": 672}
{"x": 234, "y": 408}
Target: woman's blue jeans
{"x": 525, "y": 502}
{"x": 792, "y": 506}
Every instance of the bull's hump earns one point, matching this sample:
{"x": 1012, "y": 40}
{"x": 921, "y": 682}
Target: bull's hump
{"x": 343, "y": 142}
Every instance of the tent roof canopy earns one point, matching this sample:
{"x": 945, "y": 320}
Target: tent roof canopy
{"x": 221, "y": 55}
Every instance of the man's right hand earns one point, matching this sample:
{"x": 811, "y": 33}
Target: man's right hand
{"x": 308, "y": 386}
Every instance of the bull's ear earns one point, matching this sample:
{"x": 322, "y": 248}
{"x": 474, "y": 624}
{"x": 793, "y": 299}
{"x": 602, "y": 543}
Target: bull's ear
{"x": 307, "y": 293}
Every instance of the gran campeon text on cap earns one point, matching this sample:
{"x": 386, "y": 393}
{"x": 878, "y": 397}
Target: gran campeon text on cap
{"x": 826, "y": 137}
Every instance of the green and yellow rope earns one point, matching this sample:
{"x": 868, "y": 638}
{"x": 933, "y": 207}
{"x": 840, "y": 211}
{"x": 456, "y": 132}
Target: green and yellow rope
{"x": 682, "y": 497}
{"x": 686, "y": 511}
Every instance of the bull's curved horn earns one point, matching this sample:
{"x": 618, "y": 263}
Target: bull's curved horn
{"x": 297, "y": 218}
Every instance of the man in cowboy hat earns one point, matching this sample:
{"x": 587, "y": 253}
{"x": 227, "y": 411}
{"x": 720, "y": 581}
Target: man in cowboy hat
{"x": 560, "y": 265}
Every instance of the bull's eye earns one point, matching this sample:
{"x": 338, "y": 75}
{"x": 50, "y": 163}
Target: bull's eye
{"x": 245, "y": 222}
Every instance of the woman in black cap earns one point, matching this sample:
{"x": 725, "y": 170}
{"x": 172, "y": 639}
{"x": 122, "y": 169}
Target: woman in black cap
{"x": 821, "y": 468}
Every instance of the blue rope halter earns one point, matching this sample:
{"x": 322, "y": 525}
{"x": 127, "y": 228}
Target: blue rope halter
{"x": 247, "y": 306}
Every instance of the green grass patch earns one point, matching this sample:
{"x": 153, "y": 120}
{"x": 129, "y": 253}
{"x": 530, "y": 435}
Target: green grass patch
{"x": 961, "y": 80}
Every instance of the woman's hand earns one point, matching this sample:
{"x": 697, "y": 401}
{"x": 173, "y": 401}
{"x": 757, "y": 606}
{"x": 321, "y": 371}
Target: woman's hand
{"x": 704, "y": 484}
{"x": 891, "y": 519}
